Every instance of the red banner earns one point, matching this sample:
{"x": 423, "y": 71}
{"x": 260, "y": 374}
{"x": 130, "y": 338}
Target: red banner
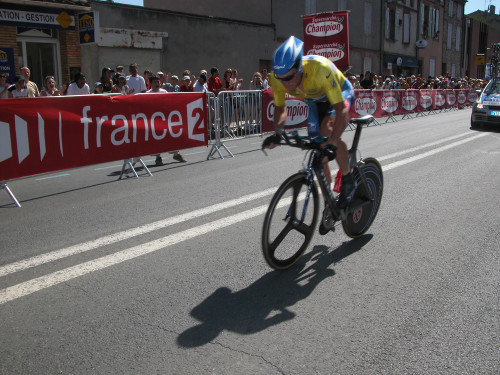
{"x": 377, "y": 103}
{"x": 380, "y": 103}
{"x": 39, "y": 135}
{"x": 327, "y": 34}
{"x": 296, "y": 109}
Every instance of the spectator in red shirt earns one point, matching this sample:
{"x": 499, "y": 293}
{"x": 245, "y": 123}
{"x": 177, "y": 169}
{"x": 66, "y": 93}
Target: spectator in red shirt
{"x": 214, "y": 83}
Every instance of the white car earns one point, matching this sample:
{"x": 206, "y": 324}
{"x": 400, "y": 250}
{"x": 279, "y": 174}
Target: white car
{"x": 486, "y": 110}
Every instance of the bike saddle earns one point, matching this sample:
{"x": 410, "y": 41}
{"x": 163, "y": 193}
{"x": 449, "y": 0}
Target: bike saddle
{"x": 366, "y": 119}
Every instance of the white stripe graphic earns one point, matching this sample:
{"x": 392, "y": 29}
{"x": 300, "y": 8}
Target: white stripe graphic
{"x": 23, "y": 145}
{"x": 5, "y": 141}
{"x": 60, "y": 134}
{"x": 41, "y": 136}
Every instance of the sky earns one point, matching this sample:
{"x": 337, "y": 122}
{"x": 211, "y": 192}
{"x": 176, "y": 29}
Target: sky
{"x": 473, "y": 5}
{"x": 470, "y": 6}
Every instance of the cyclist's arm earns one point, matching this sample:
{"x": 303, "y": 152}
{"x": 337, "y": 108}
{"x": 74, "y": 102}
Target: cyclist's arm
{"x": 279, "y": 119}
{"x": 341, "y": 119}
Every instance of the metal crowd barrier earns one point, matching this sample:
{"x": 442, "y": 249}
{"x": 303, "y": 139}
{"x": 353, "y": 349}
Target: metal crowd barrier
{"x": 233, "y": 115}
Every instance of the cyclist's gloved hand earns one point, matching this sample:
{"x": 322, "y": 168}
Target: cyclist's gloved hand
{"x": 271, "y": 141}
{"x": 330, "y": 152}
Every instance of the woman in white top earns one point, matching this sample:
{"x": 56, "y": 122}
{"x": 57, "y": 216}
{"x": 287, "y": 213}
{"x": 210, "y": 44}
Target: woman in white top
{"x": 50, "y": 88}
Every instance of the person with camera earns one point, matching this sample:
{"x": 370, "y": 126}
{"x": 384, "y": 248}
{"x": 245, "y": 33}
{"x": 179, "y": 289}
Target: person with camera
{"x": 257, "y": 82}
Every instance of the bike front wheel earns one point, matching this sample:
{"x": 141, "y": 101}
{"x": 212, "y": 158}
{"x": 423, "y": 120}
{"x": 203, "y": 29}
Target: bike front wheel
{"x": 290, "y": 221}
{"x": 361, "y": 212}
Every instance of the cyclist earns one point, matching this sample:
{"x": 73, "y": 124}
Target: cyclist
{"x": 329, "y": 96}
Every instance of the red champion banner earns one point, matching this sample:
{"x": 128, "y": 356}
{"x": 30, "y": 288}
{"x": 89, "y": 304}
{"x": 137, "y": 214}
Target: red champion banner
{"x": 380, "y": 103}
{"x": 377, "y": 103}
{"x": 39, "y": 135}
{"x": 327, "y": 34}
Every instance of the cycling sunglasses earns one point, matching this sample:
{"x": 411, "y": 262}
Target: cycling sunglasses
{"x": 285, "y": 79}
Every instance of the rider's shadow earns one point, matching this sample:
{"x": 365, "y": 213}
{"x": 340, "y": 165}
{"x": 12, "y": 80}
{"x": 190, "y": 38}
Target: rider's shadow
{"x": 265, "y": 302}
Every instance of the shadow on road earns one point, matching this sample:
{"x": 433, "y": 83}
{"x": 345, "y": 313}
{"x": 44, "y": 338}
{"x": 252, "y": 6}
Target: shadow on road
{"x": 265, "y": 302}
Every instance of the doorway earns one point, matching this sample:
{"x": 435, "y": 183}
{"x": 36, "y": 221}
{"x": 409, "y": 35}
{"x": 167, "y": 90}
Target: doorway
{"x": 41, "y": 56}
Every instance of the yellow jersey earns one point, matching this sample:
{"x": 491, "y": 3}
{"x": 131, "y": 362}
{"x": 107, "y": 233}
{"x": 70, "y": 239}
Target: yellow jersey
{"x": 321, "y": 80}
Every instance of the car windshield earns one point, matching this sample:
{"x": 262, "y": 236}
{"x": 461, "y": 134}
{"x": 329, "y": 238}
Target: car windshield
{"x": 493, "y": 87}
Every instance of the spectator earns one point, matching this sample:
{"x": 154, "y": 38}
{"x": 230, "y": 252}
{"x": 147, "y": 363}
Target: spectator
{"x": 367, "y": 81}
{"x": 25, "y": 72}
{"x": 172, "y": 86}
{"x": 237, "y": 82}
{"x": 214, "y": 83}
{"x": 406, "y": 84}
{"x": 354, "y": 79}
{"x": 417, "y": 84}
{"x": 146, "y": 75}
{"x": 106, "y": 80}
{"x": 163, "y": 78}
{"x": 119, "y": 69}
{"x": 226, "y": 80}
{"x": 265, "y": 78}
{"x": 257, "y": 83}
{"x": 50, "y": 88}
{"x": 201, "y": 84}
{"x": 18, "y": 89}
{"x": 98, "y": 88}
{"x": 121, "y": 85}
{"x": 79, "y": 86}
{"x": 135, "y": 82}
{"x": 387, "y": 85}
{"x": 155, "y": 84}
{"x": 4, "y": 86}
{"x": 186, "y": 85}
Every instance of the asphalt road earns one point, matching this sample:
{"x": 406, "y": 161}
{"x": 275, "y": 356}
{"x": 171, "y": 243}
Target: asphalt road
{"x": 164, "y": 274}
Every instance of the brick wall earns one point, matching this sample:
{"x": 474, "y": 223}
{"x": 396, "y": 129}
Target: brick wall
{"x": 71, "y": 56}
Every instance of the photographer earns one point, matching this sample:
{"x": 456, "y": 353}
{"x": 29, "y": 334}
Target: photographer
{"x": 257, "y": 83}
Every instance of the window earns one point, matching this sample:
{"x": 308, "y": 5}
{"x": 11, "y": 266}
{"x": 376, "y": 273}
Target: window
{"x": 368, "y": 18}
{"x": 406, "y": 28}
{"x": 450, "y": 8}
{"x": 422, "y": 21}
{"x": 310, "y": 6}
{"x": 459, "y": 11}
{"x": 367, "y": 64}
{"x": 430, "y": 18}
{"x": 342, "y": 5}
{"x": 453, "y": 70}
{"x": 450, "y": 30}
{"x": 387, "y": 23}
{"x": 432, "y": 67}
{"x": 458, "y": 38}
{"x": 397, "y": 19}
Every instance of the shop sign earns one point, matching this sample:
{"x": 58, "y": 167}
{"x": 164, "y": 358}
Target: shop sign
{"x": 88, "y": 27}
{"x": 34, "y": 18}
{"x": 7, "y": 64}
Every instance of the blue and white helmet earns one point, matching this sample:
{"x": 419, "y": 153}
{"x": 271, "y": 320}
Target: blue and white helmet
{"x": 288, "y": 56}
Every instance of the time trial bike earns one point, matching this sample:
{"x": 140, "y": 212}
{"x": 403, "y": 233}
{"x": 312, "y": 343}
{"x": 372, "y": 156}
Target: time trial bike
{"x": 292, "y": 216}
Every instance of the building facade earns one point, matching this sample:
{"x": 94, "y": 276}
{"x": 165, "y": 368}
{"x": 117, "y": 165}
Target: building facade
{"x": 482, "y": 30}
{"x": 399, "y": 37}
{"x": 42, "y": 35}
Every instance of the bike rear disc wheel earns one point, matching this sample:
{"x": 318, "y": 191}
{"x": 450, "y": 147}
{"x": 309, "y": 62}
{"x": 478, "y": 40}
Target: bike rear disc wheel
{"x": 360, "y": 213}
{"x": 290, "y": 221}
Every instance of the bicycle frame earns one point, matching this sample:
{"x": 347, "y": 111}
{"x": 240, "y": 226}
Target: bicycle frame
{"x": 315, "y": 167}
